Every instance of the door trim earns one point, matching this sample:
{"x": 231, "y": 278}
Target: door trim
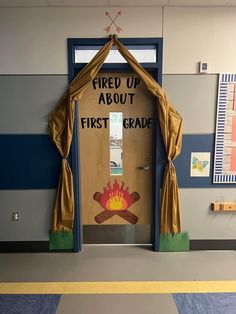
{"x": 159, "y": 157}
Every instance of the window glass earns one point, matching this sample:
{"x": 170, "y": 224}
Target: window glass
{"x": 142, "y": 54}
{"x": 116, "y": 143}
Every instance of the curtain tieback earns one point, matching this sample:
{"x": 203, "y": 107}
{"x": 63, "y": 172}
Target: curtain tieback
{"x": 170, "y": 168}
{"x": 170, "y": 164}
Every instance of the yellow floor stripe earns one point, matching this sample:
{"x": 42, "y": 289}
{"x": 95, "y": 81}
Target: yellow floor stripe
{"x": 122, "y": 287}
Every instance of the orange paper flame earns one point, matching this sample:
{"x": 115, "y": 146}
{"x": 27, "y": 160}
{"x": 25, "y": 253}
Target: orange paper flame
{"x": 116, "y": 197}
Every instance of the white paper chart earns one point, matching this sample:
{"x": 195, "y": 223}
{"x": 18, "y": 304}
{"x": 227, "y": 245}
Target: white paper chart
{"x": 225, "y": 142}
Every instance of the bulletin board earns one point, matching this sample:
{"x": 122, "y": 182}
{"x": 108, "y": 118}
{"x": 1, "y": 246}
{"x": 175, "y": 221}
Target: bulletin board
{"x": 225, "y": 140}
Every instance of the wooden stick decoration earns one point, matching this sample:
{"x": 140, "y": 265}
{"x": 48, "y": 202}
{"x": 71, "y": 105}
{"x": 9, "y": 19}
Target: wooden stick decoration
{"x": 124, "y": 213}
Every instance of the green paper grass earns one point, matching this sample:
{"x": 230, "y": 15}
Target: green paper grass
{"x": 178, "y": 242}
{"x": 61, "y": 240}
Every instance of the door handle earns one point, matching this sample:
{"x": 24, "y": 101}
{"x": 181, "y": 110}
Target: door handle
{"x": 144, "y": 168}
{"x": 147, "y": 165}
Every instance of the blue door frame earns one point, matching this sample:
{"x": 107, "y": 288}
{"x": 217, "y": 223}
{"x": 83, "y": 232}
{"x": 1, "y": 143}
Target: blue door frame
{"x": 159, "y": 156}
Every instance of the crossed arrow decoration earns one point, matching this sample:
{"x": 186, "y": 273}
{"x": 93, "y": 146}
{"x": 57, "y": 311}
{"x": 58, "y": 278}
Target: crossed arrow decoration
{"x": 108, "y": 28}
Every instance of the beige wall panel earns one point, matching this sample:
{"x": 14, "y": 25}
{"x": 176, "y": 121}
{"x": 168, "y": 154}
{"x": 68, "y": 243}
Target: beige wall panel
{"x": 35, "y": 211}
{"x": 32, "y": 98}
{"x": 199, "y": 34}
{"x": 34, "y": 40}
{"x": 195, "y": 98}
{"x": 30, "y": 115}
{"x": 198, "y": 219}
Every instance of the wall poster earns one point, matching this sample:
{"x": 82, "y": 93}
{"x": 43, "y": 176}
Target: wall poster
{"x": 200, "y": 164}
{"x": 225, "y": 141}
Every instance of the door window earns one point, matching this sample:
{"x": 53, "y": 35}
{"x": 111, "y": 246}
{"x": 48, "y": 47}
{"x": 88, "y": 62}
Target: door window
{"x": 116, "y": 143}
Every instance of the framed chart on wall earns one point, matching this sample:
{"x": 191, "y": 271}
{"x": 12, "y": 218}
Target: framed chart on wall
{"x": 225, "y": 141}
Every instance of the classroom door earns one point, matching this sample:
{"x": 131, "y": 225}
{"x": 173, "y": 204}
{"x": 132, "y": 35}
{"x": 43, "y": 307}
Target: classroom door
{"x": 115, "y": 119}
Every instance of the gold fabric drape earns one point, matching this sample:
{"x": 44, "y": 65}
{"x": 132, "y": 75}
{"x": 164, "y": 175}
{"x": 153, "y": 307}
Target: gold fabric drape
{"x": 61, "y": 128}
{"x": 171, "y": 129}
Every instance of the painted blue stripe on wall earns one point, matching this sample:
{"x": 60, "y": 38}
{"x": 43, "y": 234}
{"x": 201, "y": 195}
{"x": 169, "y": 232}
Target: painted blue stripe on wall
{"x": 196, "y": 143}
{"x": 28, "y": 162}
{"x": 32, "y": 162}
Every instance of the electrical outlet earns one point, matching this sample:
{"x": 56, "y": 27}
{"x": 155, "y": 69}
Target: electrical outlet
{"x": 15, "y": 216}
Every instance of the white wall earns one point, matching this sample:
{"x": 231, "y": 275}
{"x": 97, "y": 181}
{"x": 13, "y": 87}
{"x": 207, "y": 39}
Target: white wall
{"x": 199, "y": 34}
{"x": 200, "y": 221}
{"x": 34, "y": 40}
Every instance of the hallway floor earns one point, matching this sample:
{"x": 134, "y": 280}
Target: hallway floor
{"x": 99, "y": 264}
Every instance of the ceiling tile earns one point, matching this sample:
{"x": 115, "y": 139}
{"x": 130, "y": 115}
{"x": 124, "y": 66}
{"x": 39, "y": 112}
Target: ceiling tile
{"x": 197, "y": 2}
{"x": 118, "y": 3}
{"x": 122, "y": 3}
{"x": 82, "y": 3}
{"x": 22, "y": 3}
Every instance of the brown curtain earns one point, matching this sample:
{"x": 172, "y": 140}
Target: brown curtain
{"x": 171, "y": 129}
{"x": 61, "y": 130}
{"x": 61, "y": 127}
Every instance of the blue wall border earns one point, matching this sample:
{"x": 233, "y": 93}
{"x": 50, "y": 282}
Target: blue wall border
{"x": 197, "y": 143}
{"x": 28, "y": 161}
{"x": 31, "y": 161}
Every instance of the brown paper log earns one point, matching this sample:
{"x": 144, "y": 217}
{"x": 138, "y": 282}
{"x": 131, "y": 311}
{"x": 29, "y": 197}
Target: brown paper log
{"x": 103, "y": 216}
{"x": 127, "y": 215}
